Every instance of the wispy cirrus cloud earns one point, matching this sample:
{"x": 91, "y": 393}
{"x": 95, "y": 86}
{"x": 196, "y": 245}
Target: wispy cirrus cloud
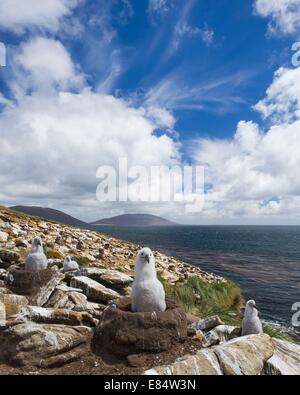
{"x": 159, "y": 8}
{"x": 219, "y": 95}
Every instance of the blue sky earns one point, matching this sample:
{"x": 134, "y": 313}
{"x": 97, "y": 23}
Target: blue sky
{"x": 209, "y": 69}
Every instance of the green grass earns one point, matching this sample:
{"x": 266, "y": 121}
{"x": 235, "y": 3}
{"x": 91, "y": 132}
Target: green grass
{"x": 82, "y": 261}
{"x": 51, "y": 253}
{"x": 276, "y": 332}
{"x": 201, "y": 298}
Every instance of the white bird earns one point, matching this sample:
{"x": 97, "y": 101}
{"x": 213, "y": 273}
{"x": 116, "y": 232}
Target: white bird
{"x": 148, "y": 294}
{"x": 69, "y": 264}
{"x": 251, "y": 324}
{"x": 36, "y": 260}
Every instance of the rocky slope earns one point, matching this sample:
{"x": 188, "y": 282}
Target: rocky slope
{"x": 48, "y": 319}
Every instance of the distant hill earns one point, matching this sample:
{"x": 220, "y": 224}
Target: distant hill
{"x": 135, "y": 220}
{"x": 51, "y": 215}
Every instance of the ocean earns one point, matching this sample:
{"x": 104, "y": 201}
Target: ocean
{"x": 263, "y": 260}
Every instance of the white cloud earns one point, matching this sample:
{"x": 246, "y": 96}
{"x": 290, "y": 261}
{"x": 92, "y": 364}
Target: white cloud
{"x": 41, "y": 63}
{"x": 254, "y": 174}
{"x": 284, "y": 15}
{"x": 282, "y": 103}
{"x": 53, "y": 140}
{"x": 18, "y": 16}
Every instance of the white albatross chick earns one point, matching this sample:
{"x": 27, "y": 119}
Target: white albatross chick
{"x": 36, "y": 260}
{"x": 69, "y": 264}
{"x": 251, "y": 324}
{"x": 148, "y": 294}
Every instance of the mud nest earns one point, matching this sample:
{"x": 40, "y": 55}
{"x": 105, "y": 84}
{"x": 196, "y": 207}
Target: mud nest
{"x": 122, "y": 332}
{"x": 29, "y": 283}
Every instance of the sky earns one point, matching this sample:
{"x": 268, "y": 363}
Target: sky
{"x": 161, "y": 83}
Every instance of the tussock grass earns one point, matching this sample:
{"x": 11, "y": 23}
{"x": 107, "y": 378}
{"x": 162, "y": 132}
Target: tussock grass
{"x": 277, "y": 332}
{"x": 82, "y": 261}
{"x": 201, "y": 298}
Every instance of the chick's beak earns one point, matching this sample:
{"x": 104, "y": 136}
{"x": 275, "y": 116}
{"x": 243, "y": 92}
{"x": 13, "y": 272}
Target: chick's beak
{"x": 147, "y": 257}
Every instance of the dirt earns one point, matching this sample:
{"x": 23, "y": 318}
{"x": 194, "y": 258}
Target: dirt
{"x": 91, "y": 364}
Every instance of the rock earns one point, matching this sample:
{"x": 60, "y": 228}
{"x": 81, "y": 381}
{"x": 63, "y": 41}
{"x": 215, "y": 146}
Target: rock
{"x": 207, "y": 323}
{"x": 63, "y": 287}
{"x": 94, "y": 291}
{"x": 42, "y": 345}
{"x": 220, "y": 334}
{"x": 9, "y": 257}
{"x": 114, "y": 278}
{"x": 245, "y": 355}
{"x": 123, "y": 333}
{"x": 111, "y": 278}
{"x": 55, "y": 316}
{"x": 13, "y": 303}
{"x": 36, "y": 286}
{"x": 3, "y": 237}
{"x": 22, "y": 243}
{"x": 285, "y": 360}
{"x": 204, "y": 363}
{"x": 2, "y": 314}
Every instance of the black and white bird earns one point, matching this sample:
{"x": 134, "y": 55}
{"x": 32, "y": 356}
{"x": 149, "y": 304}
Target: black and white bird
{"x": 69, "y": 264}
{"x": 36, "y": 259}
{"x": 148, "y": 294}
{"x": 251, "y": 324}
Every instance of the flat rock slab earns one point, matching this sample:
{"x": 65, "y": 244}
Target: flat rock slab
{"x": 94, "y": 291}
{"x": 42, "y": 346}
{"x": 122, "y": 332}
{"x": 110, "y": 278}
{"x": 56, "y": 316}
{"x": 285, "y": 360}
{"x": 36, "y": 286}
{"x": 204, "y": 363}
{"x": 242, "y": 356}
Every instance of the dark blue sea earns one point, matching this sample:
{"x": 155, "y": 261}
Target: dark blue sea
{"x": 263, "y": 260}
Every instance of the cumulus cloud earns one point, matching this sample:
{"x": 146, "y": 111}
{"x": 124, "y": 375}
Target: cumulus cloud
{"x": 53, "y": 139}
{"x": 18, "y": 16}
{"x": 282, "y": 102}
{"x": 284, "y": 15}
{"x": 41, "y": 63}
{"x": 254, "y": 173}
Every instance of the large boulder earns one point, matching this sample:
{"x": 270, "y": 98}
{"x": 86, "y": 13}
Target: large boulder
{"x": 94, "y": 291}
{"x": 42, "y": 346}
{"x": 204, "y": 363}
{"x": 36, "y": 286}
{"x": 124, "y": 333}
{"x": 285, "y": 360}
{"x": 245, "y": 355}
{"x": 242, "y": 356}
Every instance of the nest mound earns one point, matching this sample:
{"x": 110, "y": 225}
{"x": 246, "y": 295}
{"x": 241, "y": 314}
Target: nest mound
{"x": 122, "y": 332}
